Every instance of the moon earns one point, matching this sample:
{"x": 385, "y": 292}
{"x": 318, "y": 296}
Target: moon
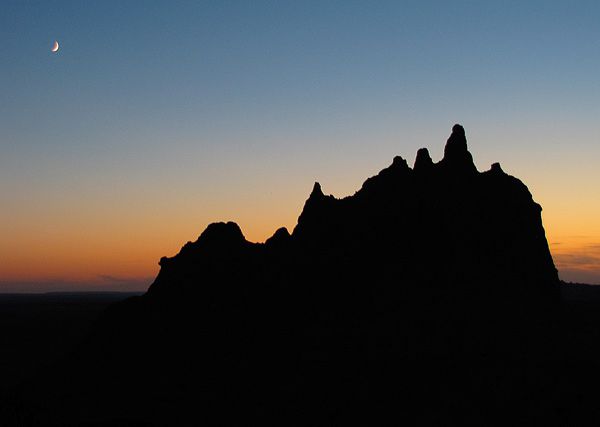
{"x": 55, "y": 47}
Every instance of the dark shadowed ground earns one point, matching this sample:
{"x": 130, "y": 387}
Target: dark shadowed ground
{"x": 38, "y": 329}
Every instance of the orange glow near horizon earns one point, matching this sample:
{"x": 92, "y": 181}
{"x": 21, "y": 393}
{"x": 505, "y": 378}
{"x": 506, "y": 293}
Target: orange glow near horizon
{"x": 118, "y": 249}
{"x": 107, "y": 230}
{"x": 83, "y": 257}
{"x": 125, "y": 249}
{"x": 575, "y": 248}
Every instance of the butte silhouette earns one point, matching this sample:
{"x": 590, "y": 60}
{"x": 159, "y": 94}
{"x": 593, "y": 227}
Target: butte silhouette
{"x": 428, "y": 297}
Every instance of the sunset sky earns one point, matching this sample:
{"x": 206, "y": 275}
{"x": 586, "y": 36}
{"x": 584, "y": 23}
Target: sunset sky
{"x": 156, "y": 118}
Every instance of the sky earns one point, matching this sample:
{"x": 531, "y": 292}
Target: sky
{"x": 155, "y": 119}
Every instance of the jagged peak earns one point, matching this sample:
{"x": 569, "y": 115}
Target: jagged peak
{"x": 222, "y": 232}
{"x": 216, "y": 235}
{"x": 423, "y": 160}
{"x": 316, "y": 191}
{"x": 399, "y": 163}
{"x": 496, "y": 168}
{"x": 280, "y": 236}
{"x": 456, "y": 152}
{"x": 456, "y": 145}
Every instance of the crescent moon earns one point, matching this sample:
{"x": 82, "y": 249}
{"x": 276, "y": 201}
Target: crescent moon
{"x": 55, "y": 47}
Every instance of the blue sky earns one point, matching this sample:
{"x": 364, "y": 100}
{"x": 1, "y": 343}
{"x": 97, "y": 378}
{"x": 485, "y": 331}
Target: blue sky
{"x": 230, "y": 110}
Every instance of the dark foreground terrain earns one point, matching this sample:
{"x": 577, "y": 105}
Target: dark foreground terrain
{"x": 429, "y": 297}
{"x": 37, "y": 330}
{"x": 562, "y": 372}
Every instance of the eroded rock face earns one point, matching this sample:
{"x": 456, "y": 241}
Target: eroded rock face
{"x": 442, "y": 218}
{"x": 438, "y": 225}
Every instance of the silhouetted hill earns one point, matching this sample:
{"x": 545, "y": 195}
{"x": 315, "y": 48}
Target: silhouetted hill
{"x": 427, "y": 297}
{"x": 442, "y": 221}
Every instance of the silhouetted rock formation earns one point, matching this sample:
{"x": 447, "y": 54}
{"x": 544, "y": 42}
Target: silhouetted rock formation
{"x": 430, "y": 291}
{"x": 423, "y": 162}
{"x": 456, "y": 154}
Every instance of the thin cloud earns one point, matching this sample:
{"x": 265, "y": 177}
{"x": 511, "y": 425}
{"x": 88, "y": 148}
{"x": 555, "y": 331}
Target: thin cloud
{"x": 581, "y": 264}
{"x": 104, "y": 283}
{"x": 578, "y": 259}
{"x": 109, "y": 278}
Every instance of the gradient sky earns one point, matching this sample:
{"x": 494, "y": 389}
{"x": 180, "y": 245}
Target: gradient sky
{"x": 156, "y": 118}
